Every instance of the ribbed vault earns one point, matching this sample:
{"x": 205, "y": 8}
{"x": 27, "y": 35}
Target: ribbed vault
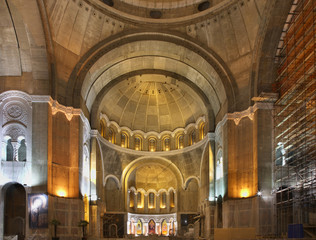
{"x": 152, "y": 102}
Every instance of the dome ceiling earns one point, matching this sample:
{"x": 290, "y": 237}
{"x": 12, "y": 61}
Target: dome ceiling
{"x": 152, "y": 102}
{"x": 152, "y": 176}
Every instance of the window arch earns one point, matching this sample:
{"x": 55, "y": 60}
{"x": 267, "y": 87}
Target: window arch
{"x": 138, "y": 142}
{"x": 8, "y": 150}
{"x": 166, "y": 143}
{"x": 111, "y": 135}
{"x": 202, "y": 130}
{"x": 152, "y": 144}
{"x": 192, "y": 137}
{"x": 102, "y": 128}
{"x": 131, "y": 198}
{"x": 172, "y": 199}
{"x": 163, "y": 200}
{"x": 151, "y": 200}
{"x": 124, "y": 140}
{"x": 22, "y": 149}
{"x": 180, "y": 141}
{"x": 140, "y": 200}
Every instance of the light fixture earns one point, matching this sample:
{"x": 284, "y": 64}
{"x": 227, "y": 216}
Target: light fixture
{"x": 61, "y": 193}
{"x": 244, "y": 193}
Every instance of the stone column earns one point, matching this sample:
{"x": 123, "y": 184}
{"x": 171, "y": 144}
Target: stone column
{"x": 16, "y": 146}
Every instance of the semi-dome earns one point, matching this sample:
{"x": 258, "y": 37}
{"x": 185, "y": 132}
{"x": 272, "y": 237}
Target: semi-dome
{"x": 152, "y": 102}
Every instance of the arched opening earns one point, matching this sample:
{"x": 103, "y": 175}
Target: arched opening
{"x": 124, "y": 140}
{"x": 166, "y": 144}
{"x": 138, "y": 143}
{"x": 152, "y": 144}
{"x": 192, "y": 137}
{"x": 201, "y": 130}
{"x": 140, "y": 200}
{"x": 180, "y": 141}
{"x": 151, "y": 200}
{"x": 22, "y": 149}
{"x": 172, "y": 199}
{"x": 112, "y": 193}
{"x": 102, "y": 128}
{"x": 14, "y": 211}
{"x": 8, "y": 155}
{"x": 163, "y": 200}
{"x": 111, "y": 136}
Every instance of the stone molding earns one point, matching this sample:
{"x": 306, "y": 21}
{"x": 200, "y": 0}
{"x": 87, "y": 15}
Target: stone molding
{"x": 152, "y": 133}
{"x": 146, "y": 193}
{"x": 96, "y": 134}
{"x": 237, "y": 116}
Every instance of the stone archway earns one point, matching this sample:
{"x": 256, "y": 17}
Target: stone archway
{"x": 14, "y": 218}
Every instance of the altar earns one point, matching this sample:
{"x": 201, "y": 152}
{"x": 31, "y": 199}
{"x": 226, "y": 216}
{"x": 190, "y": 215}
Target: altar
{"x": 152, "y": 226}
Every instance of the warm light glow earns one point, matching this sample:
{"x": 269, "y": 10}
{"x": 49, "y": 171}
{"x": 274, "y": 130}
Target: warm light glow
{"x": 244, "y": 193}
{"x": 61, "y": 193}
{"x": 86, "y": 207}
{"x": 94, "y": 197}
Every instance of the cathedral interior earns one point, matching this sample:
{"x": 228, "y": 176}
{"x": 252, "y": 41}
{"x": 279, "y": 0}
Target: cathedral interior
{"x": 149, "y": 119}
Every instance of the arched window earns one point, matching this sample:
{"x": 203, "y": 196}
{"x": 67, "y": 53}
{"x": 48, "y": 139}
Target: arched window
{"x": 180, "y": 141}
{"x": 163, "y": 200}
{"x": 9, "y": 150}
{"x": 102, "y": 128}
{"x": 131, "y": 199}
{"x": 22, "y": 149}
{"x": 151, "y": 200}
{"x": 219, "y": 185}
{"x": 152, "y": 144}
{"x": 111, "y": 135}
{"x": 192, "y": 137}
{"x": 201, "y": 130}
{"x": 166, "y": 144}
{"x": 140, "y": 200}
{"x": 124, "y": 140}
{"x": 138, "y": 143}
{"x": 171, "y": 198}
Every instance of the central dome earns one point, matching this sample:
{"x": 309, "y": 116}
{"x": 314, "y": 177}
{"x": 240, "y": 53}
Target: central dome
{"x": 152, "y": 102}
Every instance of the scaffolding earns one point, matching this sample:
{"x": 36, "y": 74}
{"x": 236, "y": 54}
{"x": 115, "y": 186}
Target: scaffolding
{"x": 295, "y": 122}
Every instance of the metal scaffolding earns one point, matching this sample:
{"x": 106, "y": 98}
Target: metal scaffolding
{"x": 295, "y": 122}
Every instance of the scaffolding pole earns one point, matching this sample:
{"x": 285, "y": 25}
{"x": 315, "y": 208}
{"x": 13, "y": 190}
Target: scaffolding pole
{"x": 295, "y": 122}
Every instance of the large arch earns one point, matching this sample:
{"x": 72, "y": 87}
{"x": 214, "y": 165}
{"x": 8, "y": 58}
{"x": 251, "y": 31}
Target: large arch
{"x": 95, "y": 110}
{"x": 147, "y": 160}
{"x": 177, "y": 53}
{"x": 264, "y": 66}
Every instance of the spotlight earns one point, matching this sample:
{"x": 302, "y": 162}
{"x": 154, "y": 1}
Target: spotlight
{"x": 259, "y": 193}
